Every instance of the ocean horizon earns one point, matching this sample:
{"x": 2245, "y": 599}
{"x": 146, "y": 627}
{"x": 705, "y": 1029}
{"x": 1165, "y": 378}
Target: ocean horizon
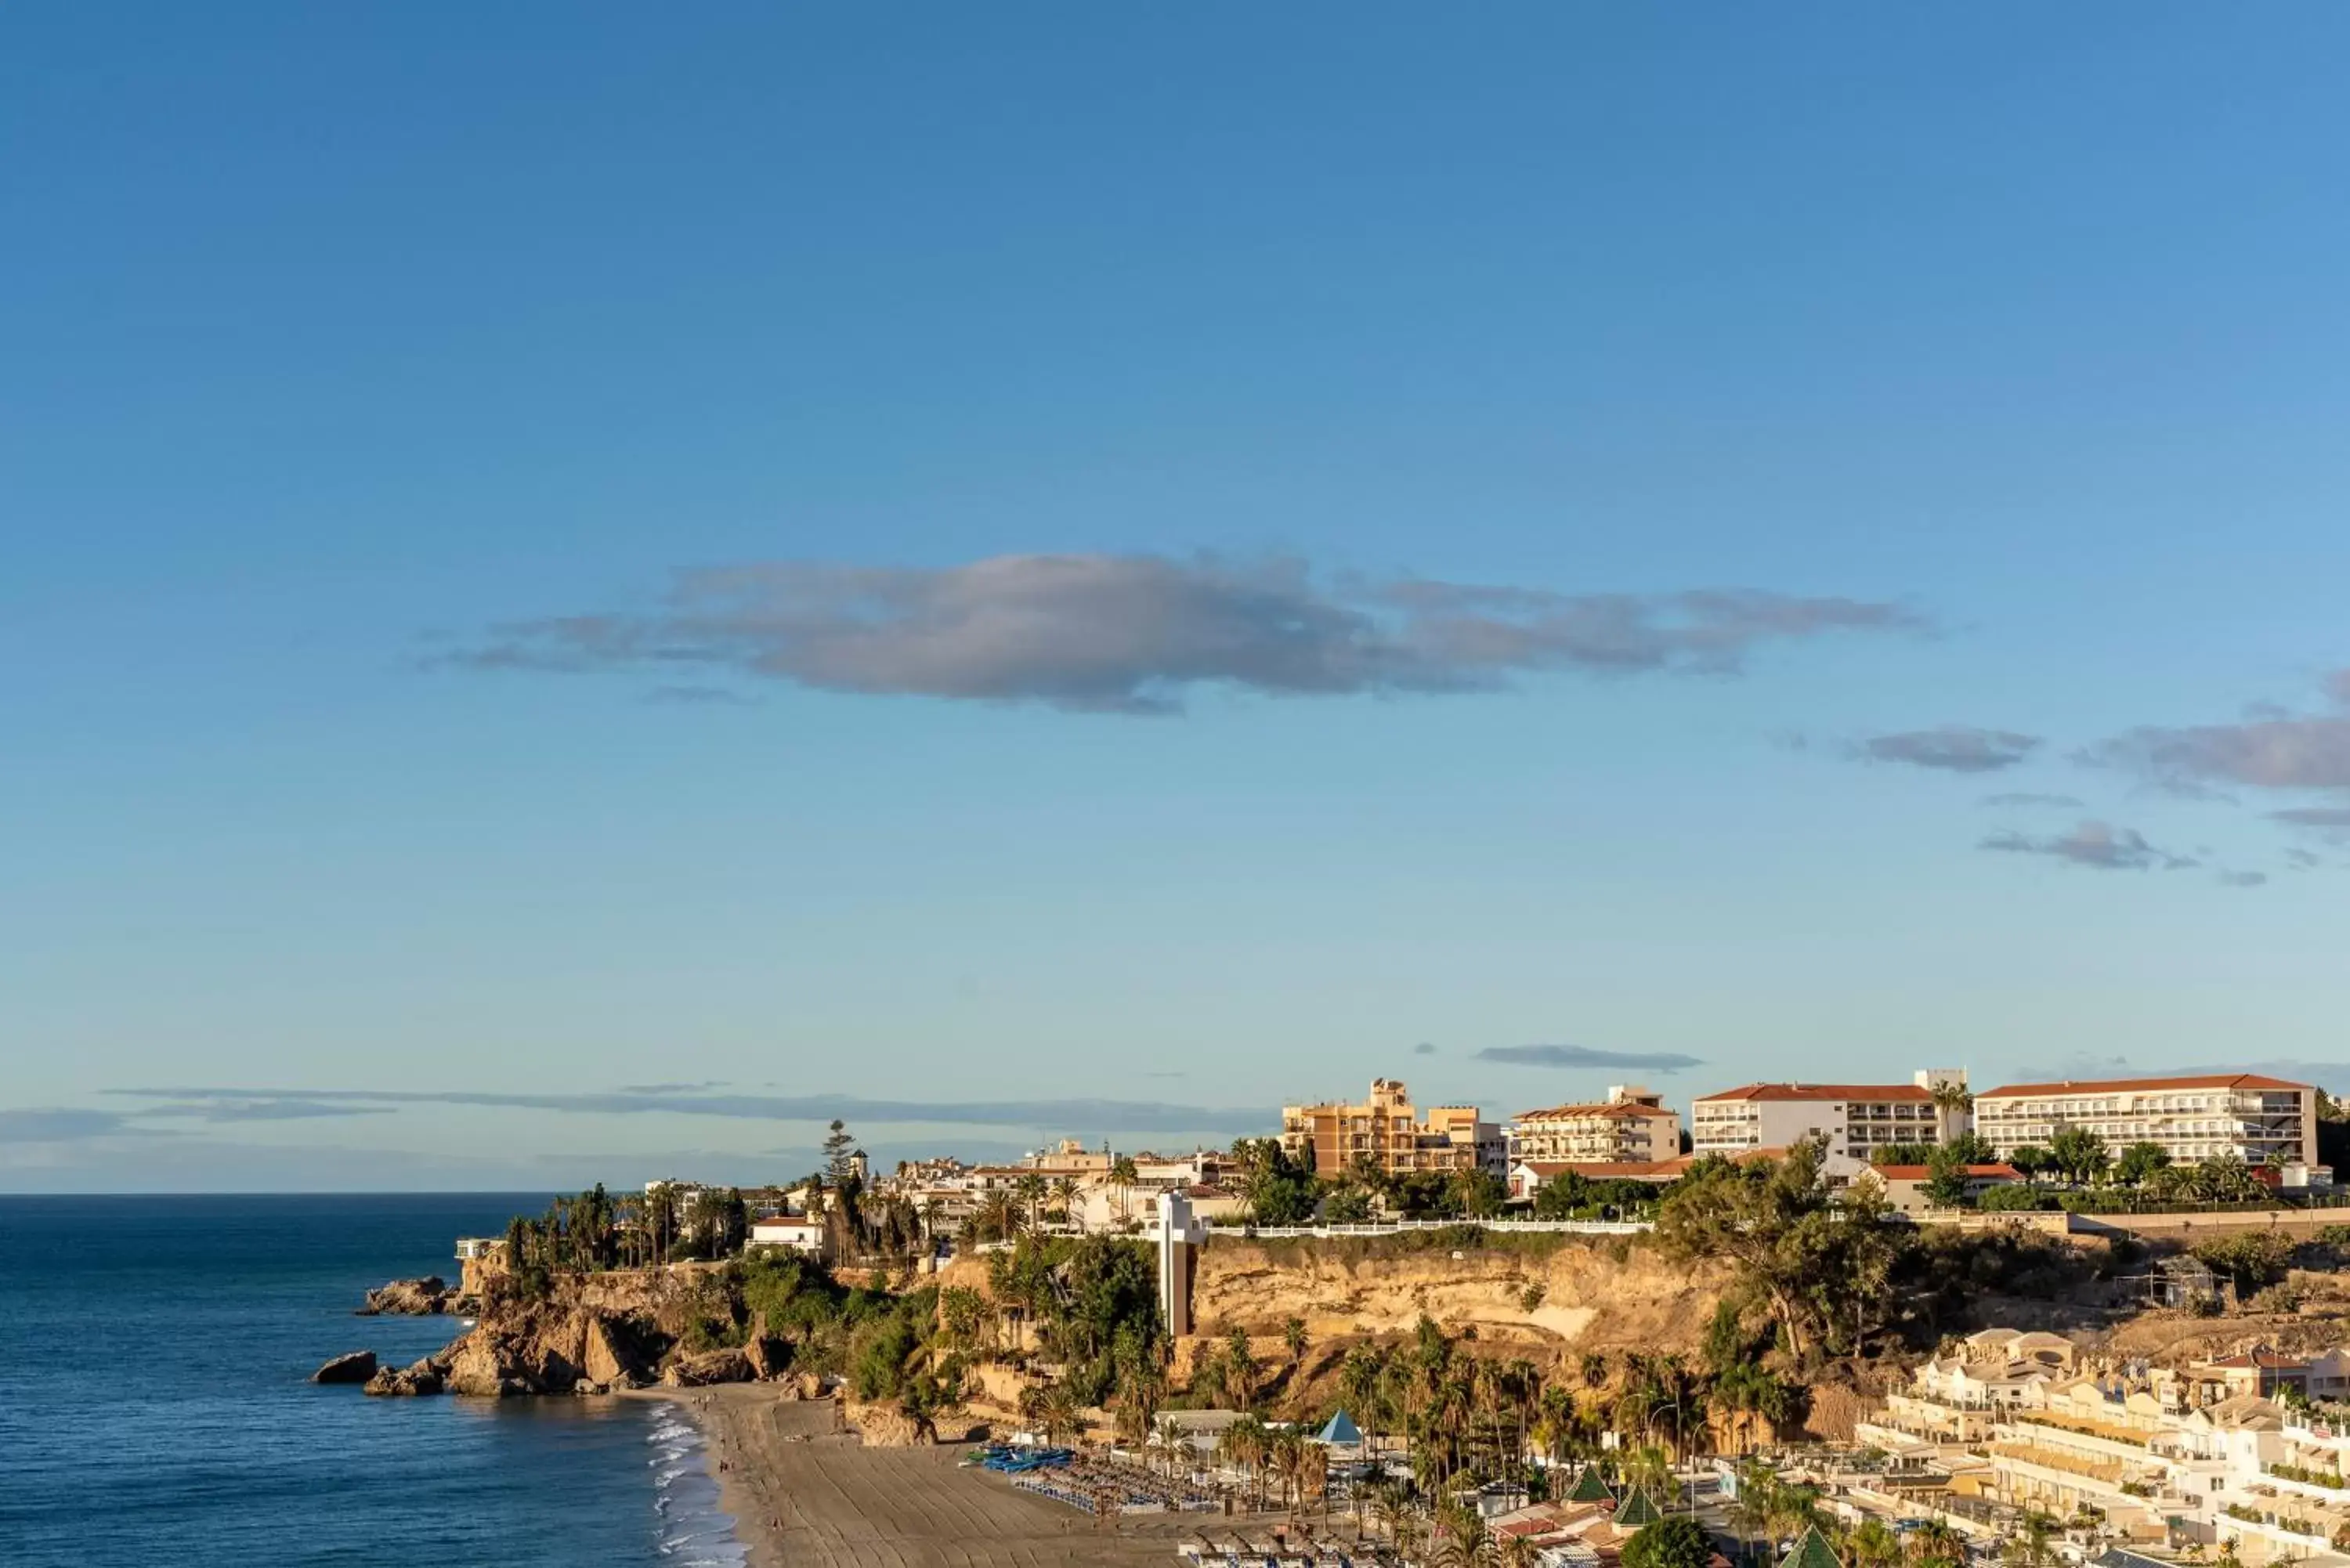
{"x": 155, "y": 1405}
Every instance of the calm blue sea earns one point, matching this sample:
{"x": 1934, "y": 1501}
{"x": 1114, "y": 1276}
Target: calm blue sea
{"x": 154, "y": 1412}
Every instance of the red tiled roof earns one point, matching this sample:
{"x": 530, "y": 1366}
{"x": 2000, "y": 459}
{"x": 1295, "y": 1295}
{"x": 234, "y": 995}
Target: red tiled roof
{"x": 1920, "y": 1172}
{"x": 1561, "y": 1112}
{"x": 2118, "y": 1085}
{"x": 1821, "y": 1091}
{"x": 2266, "y": 1361}
{"x": 1640, "y": 1170}
{"x": 1608, "y": 1170}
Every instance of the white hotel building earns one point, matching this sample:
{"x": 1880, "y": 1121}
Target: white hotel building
{"x": 2258, "y": 1119}
{"x": 1856, "y": 1118}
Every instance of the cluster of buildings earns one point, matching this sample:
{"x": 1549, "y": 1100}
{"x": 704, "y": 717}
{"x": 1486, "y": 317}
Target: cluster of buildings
{"x": 1633, "y": 1133}
{"x": 2246, "y": 1452}
{"x": 1630, "y": 1134}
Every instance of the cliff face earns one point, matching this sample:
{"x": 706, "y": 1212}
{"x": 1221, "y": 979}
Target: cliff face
{"x": 603, "y": 1330}
{"x": 1581, "y": 1296}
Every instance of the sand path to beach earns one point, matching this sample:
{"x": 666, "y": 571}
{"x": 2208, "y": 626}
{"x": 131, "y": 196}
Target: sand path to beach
{"x": 805, "y": 1494}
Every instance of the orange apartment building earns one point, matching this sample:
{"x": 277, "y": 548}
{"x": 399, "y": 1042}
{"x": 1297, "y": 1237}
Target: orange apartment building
{"x": 1389, "y": 1132}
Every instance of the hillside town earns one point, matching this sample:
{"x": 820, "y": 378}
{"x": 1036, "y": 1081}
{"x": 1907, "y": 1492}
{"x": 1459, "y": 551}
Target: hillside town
{"x": 1930, "y": 1148}
{"x": 2158, "y": 1371}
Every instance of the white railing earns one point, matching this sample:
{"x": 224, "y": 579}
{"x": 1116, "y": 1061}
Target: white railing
{"x": 1394, "y": 1226}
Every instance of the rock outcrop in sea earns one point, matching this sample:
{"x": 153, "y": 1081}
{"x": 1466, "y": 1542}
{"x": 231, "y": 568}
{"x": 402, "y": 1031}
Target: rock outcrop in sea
{"x": 356, "y": 1367}
{"x": 426, "y": 1297}
{"x": 425, "y": 1376}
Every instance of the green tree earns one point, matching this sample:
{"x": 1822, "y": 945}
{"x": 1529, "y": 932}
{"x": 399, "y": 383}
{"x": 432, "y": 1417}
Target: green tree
{"x": 839, "y": 1148}
{"x": 2079, "y": 1153}
{"x": 2031, "y": 1159}
{"x": 1971, "y": 1147}
{"x": 1946, "y": 1179}
{"x": 1872, "y": 1544}
{"x": 1676, "y": 1541}
{"x": 2140, "y": 1161}
{"x": 1279, "y": 1189}
{"x": 1564, "y": 1196}
{"x": 1478, "y": 1194}
{"x": 2253, "y": 1259}
{"x": 1823, "y": 1270}
{"x": 1124, "y": 1174}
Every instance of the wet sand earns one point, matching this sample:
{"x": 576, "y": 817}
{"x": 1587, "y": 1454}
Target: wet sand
{"x": 806, "y": 1494}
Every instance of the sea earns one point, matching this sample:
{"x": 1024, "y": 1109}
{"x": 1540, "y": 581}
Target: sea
{"x": 155, "y": 1410}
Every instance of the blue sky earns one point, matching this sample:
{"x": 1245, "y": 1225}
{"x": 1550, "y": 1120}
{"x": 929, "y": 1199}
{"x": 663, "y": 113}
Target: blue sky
{"x": 923, "y": 558}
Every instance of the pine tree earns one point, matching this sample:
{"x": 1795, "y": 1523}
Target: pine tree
{"x": 837, "y": 1147}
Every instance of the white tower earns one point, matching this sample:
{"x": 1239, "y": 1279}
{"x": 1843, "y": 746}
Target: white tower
{"x": 1177, "y": 1233}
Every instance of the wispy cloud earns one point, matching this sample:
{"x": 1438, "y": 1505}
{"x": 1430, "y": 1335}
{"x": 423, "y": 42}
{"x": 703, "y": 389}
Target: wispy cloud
{"x": 2270, "y": 750}
{"x": 1951, "y": 748}
{"x": 1587, "y": 1056}
{"x": 2327, "y": 818}
{"x": 1425, "y": 1048}
{"x": 2099, "y": 845}
{"x": 260, "y": 1110}
{"x": 2245, "y": 879}
{"x": 1071, "y": 1116}
{"x": 2028, "y": 797}
{"x": 698, "y": 697}
{"x": 1134, "y": 634}
{"x": 57, "y": 1124}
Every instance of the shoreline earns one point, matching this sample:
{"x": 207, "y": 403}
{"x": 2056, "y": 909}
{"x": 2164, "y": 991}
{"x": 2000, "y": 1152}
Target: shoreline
{"x": 804, "y": 1492}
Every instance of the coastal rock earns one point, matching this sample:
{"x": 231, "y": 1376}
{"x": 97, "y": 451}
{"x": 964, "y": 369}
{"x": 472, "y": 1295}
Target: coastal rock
{"x": 768, "y": 1356}
{"x": 356, "y": 1367}
{"x": 477, "y": 1369}
{"x": 424, "y": 1297}
{"x": 710, "y": 1366}
{"x": 885, "y": 1426}
{"x": 423, "y": 1378}
{"x": 606, "y": 1356}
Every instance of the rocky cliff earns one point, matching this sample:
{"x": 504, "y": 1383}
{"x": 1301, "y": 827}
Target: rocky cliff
{"x": 1541, "y": 1297}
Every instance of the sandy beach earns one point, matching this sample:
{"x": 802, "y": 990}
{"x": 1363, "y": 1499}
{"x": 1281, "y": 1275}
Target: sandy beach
{"x": 807, "y": 1494}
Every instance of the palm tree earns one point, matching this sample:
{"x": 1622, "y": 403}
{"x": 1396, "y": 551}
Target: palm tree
{"x": 1873, "y": 1544}
{"x": 1650, "y": 1468}
{"x": 1123, "y": 1175}
{"x": 1240, "y": 1370}
{"x": 1286, "y": 1459}
{"x": 999, "y": 1216}
{"x": 1031, "y": 1190}
{"x": 1751, "y": 1510}
{"x": 1360, "y": 1378}
{"x": 1293, "y": 1336}
{"x": 1935, "y": 1543}
{"x": 1062, "y": 1416}
{"x": 1247, "y": 1446}
{"x": 1393, "y": 1509}
{"x": 1463, "y": 1543}
{"x": 2029, "y": 1546}
{"x": 1064, "y": 1193}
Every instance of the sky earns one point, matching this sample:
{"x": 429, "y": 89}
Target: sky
{"x": 585, "y": 589}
